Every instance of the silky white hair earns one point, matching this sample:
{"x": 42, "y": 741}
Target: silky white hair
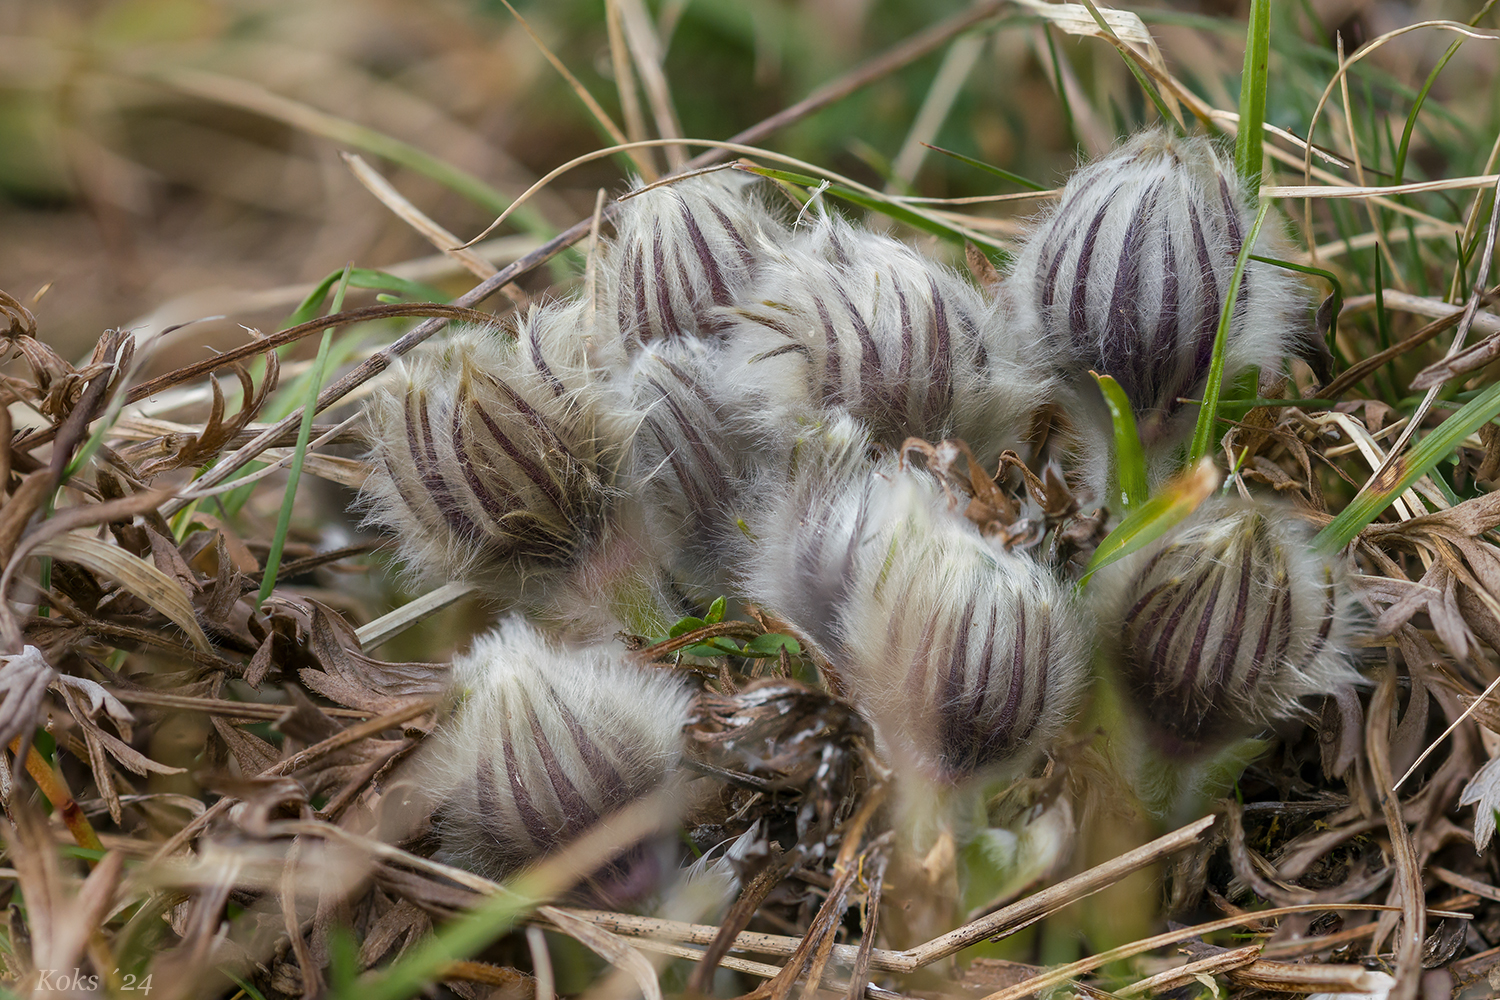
{"x": 546, "y": 741}
{"x": 682, "y": 253}
{"x": 966, "y": 658}
{"x": 1127, "y": 276}
{"x": 486, "y": 458}
{"x": 882, "y": 332}
{"x": 1222, "y": 626}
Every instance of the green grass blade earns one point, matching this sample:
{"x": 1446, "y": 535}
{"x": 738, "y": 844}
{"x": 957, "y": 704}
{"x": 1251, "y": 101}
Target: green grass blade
{"x": 1130, "y": 459}
{"x": 1247, "y": 145}
{"x": 1148, "y": 86}
{"x": 1416, "y": 109}
{"x": 422, "y": 965}
{"x": 360, "y": 277}
{"x": 1155, "y": 517}
{"x": 304, "y": 434}
{"x": 1208, "y": 413}
{"x": 988, "y": 168}
{"x": 895, "y": 211}
{"x": 1374, "y": 498}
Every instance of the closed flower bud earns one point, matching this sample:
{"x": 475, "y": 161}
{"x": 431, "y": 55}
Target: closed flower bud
{"x": 688, "y": 462}
{"x": 893, "y": 338}
{"x": 1225, "y": 624}
{"x": 966, "y": 658}
{"x": 1129, "y": 274}
{"x": 486, "y": 460}
{"x": 547, "y": 741}
{"x": 682, "y": 253}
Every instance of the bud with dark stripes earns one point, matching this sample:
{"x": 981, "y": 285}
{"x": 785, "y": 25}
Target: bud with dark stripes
{"x": 693, "y": 450}
{"x": 1225, "y": 624}
{"x": 895, "y": 339}
{"x": 683, "y": 252}
{"x": 547, "y": 741}
{"x": 486, "y": 460}
{"x": 967, "y": 659}
{"x": 1128, "y": 276}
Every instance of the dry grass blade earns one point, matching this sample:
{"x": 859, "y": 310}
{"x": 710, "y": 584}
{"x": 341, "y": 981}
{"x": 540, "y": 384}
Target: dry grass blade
{"x": 1226, "y": 961}
{"x": 1408, "y": 868}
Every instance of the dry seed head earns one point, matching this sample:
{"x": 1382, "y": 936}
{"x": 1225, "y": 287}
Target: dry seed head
{"x": 682, "y": 253}
{"x": 547, "y": 740}
{"x": 966, "y": 658}
{"x": 1225, "y": 624}
{"x": 1129, "y": 273}
{"x": 896, "y": 339}
{"x": 486, "y": 460}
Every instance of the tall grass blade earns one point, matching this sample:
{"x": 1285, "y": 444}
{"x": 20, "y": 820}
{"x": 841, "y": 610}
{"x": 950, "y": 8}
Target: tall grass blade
{"x": 304, "y": 434}
{"x": 1248, "y": 158}
{"x": 1208, "y": 413}
{"x": 1406, "y": 469}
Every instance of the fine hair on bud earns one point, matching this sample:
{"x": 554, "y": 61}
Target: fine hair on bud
{"x": 486, "y": 460}
{"x": 966, "y": 658}
{"x": 546, "y": 741}
{"x": 899, "y": 341}
{"x": 1129, "y": 273}
{"x": 682, "y": 253}
{"x": 687, "y": 465}
{"x": 1222, "y": 627}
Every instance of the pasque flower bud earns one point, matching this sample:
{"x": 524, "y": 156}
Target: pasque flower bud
{"x": 893, "y": 338}
{"x": 486, "y": 460}
{"x": 682, "y": 253}
{"x": 967, "y": 659}
{"x": 1129, "y": 273}
{"x": 1223, "y": 625}
{"x": 547, "y": 741}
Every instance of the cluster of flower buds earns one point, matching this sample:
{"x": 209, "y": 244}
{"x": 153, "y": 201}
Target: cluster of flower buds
{"x": 1224, "y": 624}
{"x": 548, "y": 740}
{"x": 721, "y": 413}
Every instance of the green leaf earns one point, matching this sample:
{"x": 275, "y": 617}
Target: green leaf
{"x": 1248, "y": 154}
{"x": 771, "y": 644}
{"x": 989, "y": 168}
{"x": 1208, "y": 413}
{"x": 685, "y": 626}
{"x": 717, "y": 646}
{"x": 715, "y": 611}
{"x": 1155, "y": 517}
{"x": 1404, "y": 470}
{"x": 1130, "y": 459}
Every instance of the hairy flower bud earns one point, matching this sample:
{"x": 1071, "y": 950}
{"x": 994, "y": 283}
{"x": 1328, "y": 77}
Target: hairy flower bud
{"x": 966, "y": 658}
{"x": 893, "y": 338}
{"x": 485, "y": 458}
{"x": 547, "y": 741}
{"x": 689, "y": 460}
{"x": 1225, "y": 624}
{"x": 682, "y": 253}
{"x": 1129, "y": 274}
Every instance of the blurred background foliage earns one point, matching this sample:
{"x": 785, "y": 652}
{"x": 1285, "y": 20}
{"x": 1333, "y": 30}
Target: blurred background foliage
{"x": 143, "y": 178}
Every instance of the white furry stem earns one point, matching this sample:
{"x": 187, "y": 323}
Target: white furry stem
{"x": 1225, "y": 624}
{"x": 547, "y": 741}
{"x": 487, "y": 463}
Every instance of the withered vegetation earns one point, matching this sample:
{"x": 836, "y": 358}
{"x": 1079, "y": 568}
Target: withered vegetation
{"x": 197, "y": 773}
